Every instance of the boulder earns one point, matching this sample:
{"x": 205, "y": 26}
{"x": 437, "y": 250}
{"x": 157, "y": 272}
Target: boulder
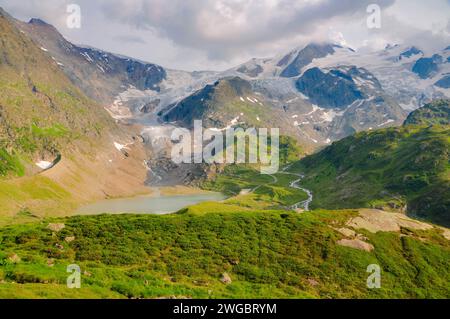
{"x": 226, "y": 279}
{"x": 356, "y": 244}
{"x": 56, "y": 227}
{"x": 69, "y": 239}
{"x": 14, "y": 258}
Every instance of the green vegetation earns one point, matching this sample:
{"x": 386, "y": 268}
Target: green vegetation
{"x": 10, "y": 163}
{"x": 266, "y": 249}
{"x": 435, "y": 113}
{"x": 290, "y": 150}
{"x": 42, "y": 195}
{"x": 267, "y": 255}
{"x": 405, "y": 168}
{"x": 258, "y": 191}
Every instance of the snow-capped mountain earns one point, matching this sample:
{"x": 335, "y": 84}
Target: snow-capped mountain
{"x": 320, "y": 92}
{"x": 403, "y": 71}
{"x": 98, "y": 73}
{"x": 332, "y": 91}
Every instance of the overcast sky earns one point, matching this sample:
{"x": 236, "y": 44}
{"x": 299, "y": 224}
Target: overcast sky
{"x": 218, "y": 34}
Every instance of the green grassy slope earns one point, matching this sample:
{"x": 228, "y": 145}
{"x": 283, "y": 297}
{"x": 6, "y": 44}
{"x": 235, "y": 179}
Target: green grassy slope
{"x": 267, "y": 255}
{"x": 435, "y": 113}
{"x": 266, "y": 249}
{"x": 405, "y": 168}
{"x": 260, "y": 191}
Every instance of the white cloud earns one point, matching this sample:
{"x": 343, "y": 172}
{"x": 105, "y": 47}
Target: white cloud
{"x": 224, "y": 28}
{"x": 216, "y": 34}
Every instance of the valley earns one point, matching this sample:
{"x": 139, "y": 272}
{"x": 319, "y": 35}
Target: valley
{"x": 265, "y": 249}
{"x": 87, "y": 176}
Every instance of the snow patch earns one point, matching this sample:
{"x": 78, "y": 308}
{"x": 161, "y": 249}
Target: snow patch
{"x": 101, "y": 68}
{"x": 121, "y": 147}
{"x": 330, "y": 115}
{"x": 386, "y": 123}
{"x": 87, "y": 57}
{"x": 292, "y": 100}
{"x": 234, "y": 121}
{"x": 315, "y": 108}
{"x": 44, "y": 164}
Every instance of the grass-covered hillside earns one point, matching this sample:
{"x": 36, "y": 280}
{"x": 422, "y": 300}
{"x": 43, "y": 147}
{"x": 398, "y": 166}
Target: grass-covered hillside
{"x": 405, "y": 168}
{"x": 41, "y": 112}
{"x": 250, "y": 246}
{"x": 435, "y": 113}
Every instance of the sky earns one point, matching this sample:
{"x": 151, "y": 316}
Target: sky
{"x": 220, "y": 34}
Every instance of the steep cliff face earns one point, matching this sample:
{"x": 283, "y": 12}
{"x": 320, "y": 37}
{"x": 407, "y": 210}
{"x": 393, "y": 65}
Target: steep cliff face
{"x": 333, "y": 89}
{"x": 427, "y": 67}
{"x": 305, "y": 57}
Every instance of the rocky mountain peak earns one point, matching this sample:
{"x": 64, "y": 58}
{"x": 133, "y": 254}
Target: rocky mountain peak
{"x": 37, "y": 21}
{"x": 304, "y": 57}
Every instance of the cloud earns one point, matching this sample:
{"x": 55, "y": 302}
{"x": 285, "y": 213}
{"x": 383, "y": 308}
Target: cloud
{"x": 218, "y": 34}
{"x": 225, "y": 27}
{"x": 129, "y": 39}
{"x": 423, "y": 24}
{"x": 49, "y": 10}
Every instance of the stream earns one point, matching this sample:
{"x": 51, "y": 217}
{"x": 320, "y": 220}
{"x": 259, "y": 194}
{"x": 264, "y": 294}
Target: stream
{"x": 295, "y": 184}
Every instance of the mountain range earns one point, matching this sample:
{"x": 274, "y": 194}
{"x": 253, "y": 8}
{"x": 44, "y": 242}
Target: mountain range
{"x": 317, "y": 94}
{"x": 79, "y": 125}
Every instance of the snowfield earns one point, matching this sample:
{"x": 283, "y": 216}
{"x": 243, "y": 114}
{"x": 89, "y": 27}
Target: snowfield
{"x": 44, "y": 165}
